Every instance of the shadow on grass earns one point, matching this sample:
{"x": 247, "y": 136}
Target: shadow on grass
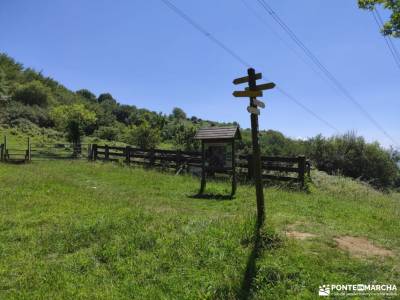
{"x": 262, "y": 240}
{"x": 251, "y": 269}
{"x": 211, "y": 196}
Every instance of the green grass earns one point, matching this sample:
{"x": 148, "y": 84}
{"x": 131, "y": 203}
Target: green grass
{"x": 78, "y": 230}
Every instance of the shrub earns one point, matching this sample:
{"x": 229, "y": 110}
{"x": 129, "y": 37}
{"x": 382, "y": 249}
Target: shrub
{"x": 184, "y": 138}
{"x": 351, "y": 156}
{"x": 35, "y": 114}
{"x": 178, "y": 113}
{"x": 32, "y": 93}
{"x": 109, "y": 133}
{"x": 143, "y": 136}
{"x": 73, "y": 119}
{"x": 88, "y": 95}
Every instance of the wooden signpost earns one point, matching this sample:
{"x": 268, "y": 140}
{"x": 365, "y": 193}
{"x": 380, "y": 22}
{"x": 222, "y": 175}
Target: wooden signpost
{"x": 247, "y": 94}
{"x": 252, "y": 91}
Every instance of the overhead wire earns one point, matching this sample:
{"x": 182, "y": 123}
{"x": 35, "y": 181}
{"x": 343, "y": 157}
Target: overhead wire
{"x": 278, "y": 36}
{"x": 324, "y": 69}
{"x": 232, "y": 53}
{"x": 389, "y": 43}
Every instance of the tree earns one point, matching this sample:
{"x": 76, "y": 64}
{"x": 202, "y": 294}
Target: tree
{"x": 109, "y": 133}
{"x": 178, "y": 113}
{"x": 391, "y": 27}
{"x": 105, "y": 97}
{"x": 184, "y": 138}
{"x": 3, "y": 85}
{"x": 87, "y": 95}
{"x": 33, "y": 93}
{"x": 144, "y": 136}
{"x": 123, "y": 113}
{"x": 73, "y": 119}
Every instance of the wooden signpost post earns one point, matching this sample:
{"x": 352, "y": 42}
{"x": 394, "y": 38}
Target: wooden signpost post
{"x": 252, "y": 91}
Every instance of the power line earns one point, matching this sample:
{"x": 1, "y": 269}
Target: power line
{"x": 278, "y": 36}
{"x": 324, "y": 69}
{"x": 205, "y": 32}
{"x": 232, "y": 53}
{"x": 388, "y": 40}
{"x": 307, "y": 109}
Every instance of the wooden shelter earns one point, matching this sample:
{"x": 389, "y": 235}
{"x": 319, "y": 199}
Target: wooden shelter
{"x": 218, "y": 152}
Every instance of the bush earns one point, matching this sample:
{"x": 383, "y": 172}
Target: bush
{"x": 143, "y": 136}
{"x": 351, "y": 156}
{"x": 88, "y": 95}
{"x": 73, "y": 119}
{"x": 178, "y": 114}
{"x": 184, "y": 138}
{"x": 32, "y": 93}
{"x": 35, "y": 114}
{"x": 109, "y": 133}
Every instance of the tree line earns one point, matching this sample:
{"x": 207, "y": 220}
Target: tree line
{"x": 28, "y": 98}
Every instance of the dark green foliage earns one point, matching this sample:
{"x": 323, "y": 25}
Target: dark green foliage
{"x": 350, "y": 155}
{"x": 125, "y": 114}
{"x": 105, "y": 97}
{"x": 12, "y": 69}
{"x": 184, "y": 138}
{"x": 144, "y": 136}
{"x": 34, "y": 114}
{"x": 4, "y": 90}
{"x": 178, "y": 113}
{"x": 32, "y": 93}
{"x": 109, "y": 133}
{"x": 391, "y": 27}
{"x": 87, "y": 95}
{"x": 73, "y": 119}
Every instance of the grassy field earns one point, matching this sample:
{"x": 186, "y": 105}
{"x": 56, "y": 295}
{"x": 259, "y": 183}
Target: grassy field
{"x": 78, "y": 230}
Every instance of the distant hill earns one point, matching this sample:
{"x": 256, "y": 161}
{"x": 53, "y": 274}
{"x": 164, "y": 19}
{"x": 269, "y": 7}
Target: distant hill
{"x": 29, "y": 100}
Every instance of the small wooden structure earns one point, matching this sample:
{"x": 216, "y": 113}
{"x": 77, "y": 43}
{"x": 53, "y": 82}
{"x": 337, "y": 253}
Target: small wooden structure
{"x": 218, "y": 152}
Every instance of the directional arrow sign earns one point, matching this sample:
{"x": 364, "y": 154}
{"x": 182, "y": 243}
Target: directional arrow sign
{"x": 247, "y": 93}
{"x": 262, "y": 87}
{"x": 259, "y": 103}
{"x": 246, "y": 79}
{"x": 253, "y": 110}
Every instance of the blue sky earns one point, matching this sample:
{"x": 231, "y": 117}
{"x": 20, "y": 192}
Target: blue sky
{"x": 145, "y": 55}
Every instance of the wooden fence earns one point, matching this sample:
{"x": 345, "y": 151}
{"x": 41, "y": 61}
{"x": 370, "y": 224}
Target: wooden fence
{"x": 14, "y": 155}
{"x": 158, "y": 158}
{"x": 273, "y": 168}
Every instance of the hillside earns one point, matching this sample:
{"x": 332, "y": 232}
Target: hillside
{"x": 74, "y": 230}
{"x": 32, "y": 104}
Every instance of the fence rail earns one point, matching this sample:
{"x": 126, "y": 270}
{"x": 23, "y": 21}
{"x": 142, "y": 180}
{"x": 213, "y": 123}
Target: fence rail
{"x": 273, "y": 168}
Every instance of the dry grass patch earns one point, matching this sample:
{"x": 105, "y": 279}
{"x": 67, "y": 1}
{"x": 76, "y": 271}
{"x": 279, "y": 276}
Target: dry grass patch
{"x": 300, "y": 235}
{"x": 361, "y": 247}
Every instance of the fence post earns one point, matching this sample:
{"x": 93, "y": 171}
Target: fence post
{"x": 106, "y": 153}
{"x": 178, "y": 161}
{"x": 89, "y": 152}
{"x": 5, "y": 147}
{"x": 151, "y": 157}
{"x": 128, "y": 154}
{"x": 302, "y": 168}
{"x": 308, "y": 168}
{"x": 94, "y": 152}
{"x": 29, "y": 149}
{"x": 1, "y": 152}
